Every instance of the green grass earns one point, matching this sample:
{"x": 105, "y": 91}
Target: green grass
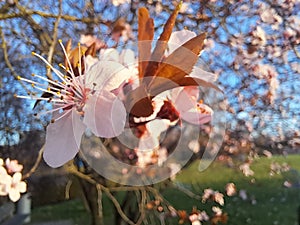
{"x": 276, "y": 204}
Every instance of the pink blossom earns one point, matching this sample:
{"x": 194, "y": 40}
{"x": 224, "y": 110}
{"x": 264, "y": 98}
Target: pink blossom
{"x": 81, "y": 102}
{"x": 120, "y": 2}
{"x": 230, "y": 189}
{"x": 88, "y": 40}
{"x": 13, "y": 166}
{"x": 259, "y": 37}
{"x": 245, "y": 168}
{"x": 188, "y": 107}
{"x": 219, "y": 198}
{"x": 217, "y": 210}
{"x": 16, "y": 186}
{"x": 4, "y": 183}
{"x": 207, "y": 194}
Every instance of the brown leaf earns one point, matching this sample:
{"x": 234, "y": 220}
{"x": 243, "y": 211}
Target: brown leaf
{"x": 182, "y": 60}
{"x": 138, "y": 103}
{"x": 145, "y": 37}
{"x": 160, "y": 85}
{"x": 161, "y": 45}
{"x": 91, "y": 50}
{"x": 118, "y": 26}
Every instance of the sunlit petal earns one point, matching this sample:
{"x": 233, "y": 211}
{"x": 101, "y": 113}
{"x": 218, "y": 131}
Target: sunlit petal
{"x": 14, "y": 195}
{"x": 109, "y": 54}
{"x": 197, "y": 72}
{"x": 105, "y": 115}
{"x": 62, "y": 140}
{"x": 106, "y": 75}
{"x": 178, "y": 38}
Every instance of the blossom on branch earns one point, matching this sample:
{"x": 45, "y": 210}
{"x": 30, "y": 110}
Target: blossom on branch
{"x": 11, "y": 183}
{"x": 82, "y": 98}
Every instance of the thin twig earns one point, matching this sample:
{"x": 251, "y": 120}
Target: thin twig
{"x": 72, "y": 170}
{"x": 142, "y": 207}
{"x": 36, "y": 164}
{"x": 68, "y": 188}
{"x": 54, "y": 39}
{"x": 27, "y": 12}
{"x": 99, "y": 203}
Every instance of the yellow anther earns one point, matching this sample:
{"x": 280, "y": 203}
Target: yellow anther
{"x": 33, "y": 53}
{"x": 18, "y": 78}
{"x": 48, "y": 67}
{"x": 33, "y": 74}
{"x": 59, "y": 40}
{"x": 48, "y": 89}
{"x": 60, "y": 65}
{"x": 58, "y": 93}
{"x": 15, "y": 96}
{"x": 32, "y": 85}
{"x": 78, "y": 44}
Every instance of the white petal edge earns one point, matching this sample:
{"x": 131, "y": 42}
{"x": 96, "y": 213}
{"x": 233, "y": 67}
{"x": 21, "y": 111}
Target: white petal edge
{"x": 63, "y": 139}
{"x": 178, "y": 38}
{"x": 105, "y": 115}
{"x": 109, "y": 54}
{"x": 106, "y": 75}
{"x": 197, "y": 72}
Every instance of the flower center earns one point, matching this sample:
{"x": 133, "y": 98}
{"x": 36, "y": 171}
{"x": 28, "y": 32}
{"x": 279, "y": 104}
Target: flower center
{"x": 66, "y": 93}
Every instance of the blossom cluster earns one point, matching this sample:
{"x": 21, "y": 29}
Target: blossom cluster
{"x": 11, "y": 183}
{"x": 93, "y": 94}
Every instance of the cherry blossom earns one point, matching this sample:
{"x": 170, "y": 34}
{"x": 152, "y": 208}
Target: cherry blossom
{"x": 120, "y": 2}
{"x": 88, "y": 40}
{"x": 245, "y": 168}
{"x": 13, "y": 166}
{"x": 219, "y": 198}
{"x": 11, "y": 183}
{"x": 189, "y": 108}
{"x": 81, "y": 102}
{"x": 230, "y": 189}
{"x": 217, "y": 210}
{"x": 4, "y": 181}
{"x": 15, "y": 186}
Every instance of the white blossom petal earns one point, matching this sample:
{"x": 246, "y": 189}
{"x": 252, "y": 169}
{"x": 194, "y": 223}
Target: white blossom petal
{"x": 184, "y": 100}
{"x": 178, "y": 38}
{"x": 195, "y": 117}
{"x": 16, "y": 178}
{"x": 105, "y": 115}
{"x": 109, "y": 54}
{"x": 21, "y": 187}
{"x": 106, "y": 75}
{"x": 197, "y": 72}
{"x": 62, "y": 139}
{"x": 127, "y": 57}
{"x": 14, "y": 195}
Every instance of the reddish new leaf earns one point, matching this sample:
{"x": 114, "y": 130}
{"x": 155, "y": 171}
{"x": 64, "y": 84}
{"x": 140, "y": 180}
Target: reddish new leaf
{"x": 177, "y": 65}
{"x": 138, "y": 103}
{"x": 160, "y": 85}
{"x": 182, "y": 60}
{"x": 161, "y": 45}
{"x": 145, "y": 37}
